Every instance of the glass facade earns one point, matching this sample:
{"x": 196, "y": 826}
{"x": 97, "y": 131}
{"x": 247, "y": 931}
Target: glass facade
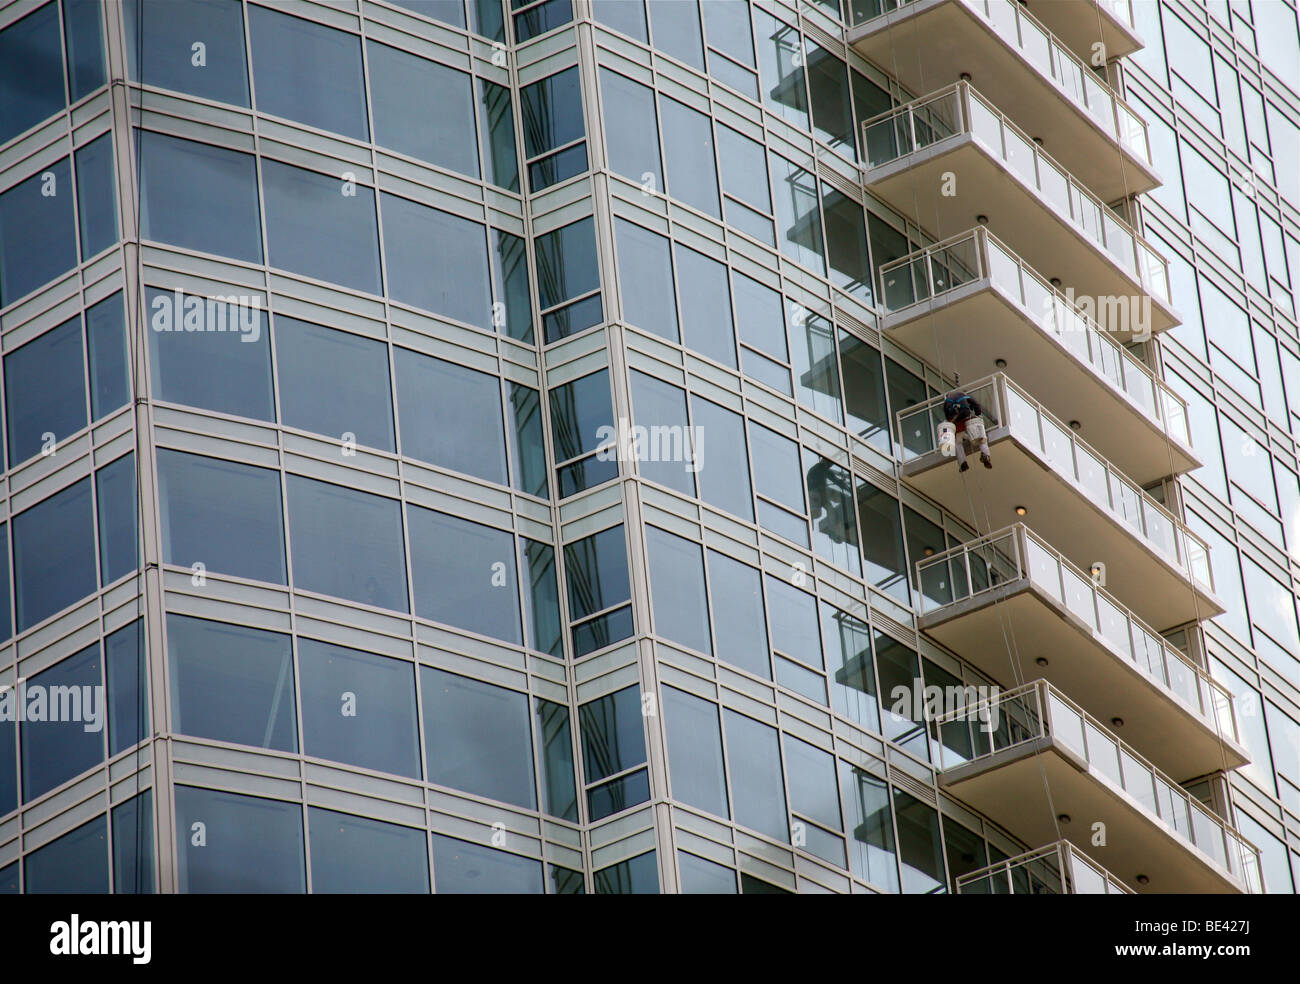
{"x": 512, "y": 388}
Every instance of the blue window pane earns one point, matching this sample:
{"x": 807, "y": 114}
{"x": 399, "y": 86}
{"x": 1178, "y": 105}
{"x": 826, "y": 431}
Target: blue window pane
{"x": 724, "y": 460}
{"x": 224, "y": 515}
{"x": 500, "y": 158}
{"x": 464, "y": 574}
{"x": 669, "y": 457}
{"x": 462, "y": 868}
{"x": 737, "y": 597}
{"x": 163, "y": 47}
{"x": 477, "y": 738}
{"x": 45, "y": 391}
{"x": 232, "y": 683}
{"x": 308, "y": 72}
{"x": 96, "y": 196}
{"x": 761, "y": 319}
{"x": 128, "y": 687}
{"x": 54, "y": 554}
{"x": 440, "y": 131}
{"x": 581, "y": 411}
{"x": 602, "y": 631}
{"x": 677, "y": 586}
{"x": 706, "y": 306}
{"x": 513, "y": 307}
{"x": 688, "y": 154}
{"x": 437, "y": 261}
{"x": 334, "y": 383}
{"x": 831, "y": 506}
{"x": 618, "y": 795}
{"x": 327, "y": 522}
{"x": 110, "y": 379}
{"x": 81, "y": 24}
{"x": 450, "y": 415}
{"x": 695, "y": 752}
{"x": 448, "y": 11}
{"x": 312, "y": 228}
{"x": 8, "y": 766}
{"x": 31, "y": 72}
{"x": 566, "y": 263}
{"x": 37, "y": 237}
{"x": 70, "y": 738}
{"x": 627, "y": 16}
{"x": 631, "y": 129}
{"x": 358, "y": 708}
{"x": 635, "y": 876}
{"x": 210, "y": 354}
{"x": 197, "y": 196}
{"x": 133, "y": 864}
{"x": 613, "y": 734}
{"x": 813, "y": 789}
{"x": 849, "y": 664}
{"x": 249, "y": 844}
{"x": 794, "y": 622}
{"x": 119, "y": 551}
{"x": 552, "y": 113}
{"x": 559, "y": 794}
{"x": 6, "y": 621}
{"x": 542, "y": 18}
{"x": 798, "y": 217}
{"x": 542, "y": 599}
{"x": 676, "y": 29}
{"x": 75, "y": 863}
{"x": 701, "y": 877}
{"x": 647, "y": 279}
{"x": 564, "y": 881}
{"x": 777, "y": 472}
{"x": 355, "y": 855}
{"x": 9, "y": 879}
{"x": 486, "y": 18}
{"x": 597, "y": 572}
{"x": 527, "y": 446}
{"x": 757, "y": 789}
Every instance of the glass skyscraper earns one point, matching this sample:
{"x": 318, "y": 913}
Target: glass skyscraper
{"x": 493, "y": 446}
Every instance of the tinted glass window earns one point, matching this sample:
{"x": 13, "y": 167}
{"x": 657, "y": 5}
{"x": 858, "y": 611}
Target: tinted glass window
{"x": 128, "y": 687}
{"x": 8, "y": 767}
{"x": 224, "y": 515}
{"x": 613, "y": 740}
{"x": 596, "y": 568}
{"x": 700, "y": 877}
{"x": 757, "y": 788}
{"x": 357, "y": 855}
{"x": 232, "y": 683}
{"x": 798, "y": 218}
{"x": 54, "y": 554}
{"x": 307, "y": 72}
{"x": 133, "y": 854}
{"x": 119, "y": 552}
{"x": 794, "y": 622}
{"x": 814, "y": 794}
{"x": 440, "y": 131}
{"x": 552, "y": 117}
{"x": 706, "y": 305}
{"x": 464, "y": 574}
{"x": 871, "y": 847}
{"x": 555, "y": 752}
{"x": 96, "y": 196}
{"x": 567, "y": 268}
{"x": 334, "y": 383}
{"x": 512, "y": 309}
{"x": 832, "y": 114}
{"x": 816, "y": 370}
{"x": 846, "y": 243}
{"x": 919, "y": 846}
{"x": 75, "y": 863}
{"x": 358, "y": 708}
{"x": 542, "y": 598}
{"x": 849, "y": 663}
{"x": 45, "y": 391}
{"x": 737, "y": 597}
{"x": 437, "y": 261}
{"x": 834, "y": 519}
{"x": 31, "y": 72}
{"x": 695, "y": 752}
{"x": 668, "y": 456}
{"x": 462, "y": 868}
{"x": 314, "y": 229}
{"x": 110, "y": 380}
{"x": 527, "y": 446}
{"x": 84, "y": 33}
{"x": 581, "y": 421}
{"x": 197, "y": 196}
{"x": 631, "y": 131}
{"x": 635, "y": 876}
{"x": 676, "y": 29}
{"x": 723, "y": 459}
{"x": 627, "y": 16}
{"x": 241, "y": 844}
{"x": 477, "y": 737}
{"x": 781, "y": 60}
{"x": 327, "y": 522}
{"x": 497, "y": 133}
{"x": 777, "y": 473}
{"x": 448, "y": 11}
{"x": 882, "y": 542}
{"x": 218, "y": 70}
{"x": 677, "y": 587}
{"x": 210, "y": 354}
{"x": 6, "y": 622}
{"x": 647, "y": 279}
{"x": 688, "y": 149}
{"x": 450, "y": 415}
{"x": 38, "y": 241}
{"x": 864, "y": 392}
{"x": 70, "y": 738}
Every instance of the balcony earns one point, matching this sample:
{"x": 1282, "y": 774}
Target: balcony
{"x": 1057, "y": 869}
{"x": 1079, "y": 638}
{"x": 1022, "y": 67}
{"x": 1071, "y": 496}
{"x": 1158, "y": 838}
{"x": 967, "y": 302}
{"x": 1081, "y": 23}
{"x": 915, "y": 153}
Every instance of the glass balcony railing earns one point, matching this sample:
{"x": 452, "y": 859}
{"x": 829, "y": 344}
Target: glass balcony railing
{"x": 1038, "y": 710}
{"x": 960, "y": 109}
{"x": 970, "y": 569}
{"x": 978, "y": 254}
{"x": 1042, "y": 49}
{"x": 1073, "y": 460}
{"x": 1057, "y": 869}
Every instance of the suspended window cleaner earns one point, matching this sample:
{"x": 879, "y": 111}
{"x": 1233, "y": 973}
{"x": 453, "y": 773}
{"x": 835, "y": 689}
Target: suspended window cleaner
{"x": 964, "y": 424}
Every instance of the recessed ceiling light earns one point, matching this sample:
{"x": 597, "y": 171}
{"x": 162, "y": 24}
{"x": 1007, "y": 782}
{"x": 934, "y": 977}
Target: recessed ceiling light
{"x": 1021, "y": 511}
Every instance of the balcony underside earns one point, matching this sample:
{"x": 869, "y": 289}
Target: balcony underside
{"x": 1076, "y": 26}
{"x": 1136, "y": 575}
{"x": 928, "y": 44}
{"x": 1157, "y": 724}
{"x": 1017, "y": 214}
{"x": 969, "y": 328}
{"x": 1009, "y": 788}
